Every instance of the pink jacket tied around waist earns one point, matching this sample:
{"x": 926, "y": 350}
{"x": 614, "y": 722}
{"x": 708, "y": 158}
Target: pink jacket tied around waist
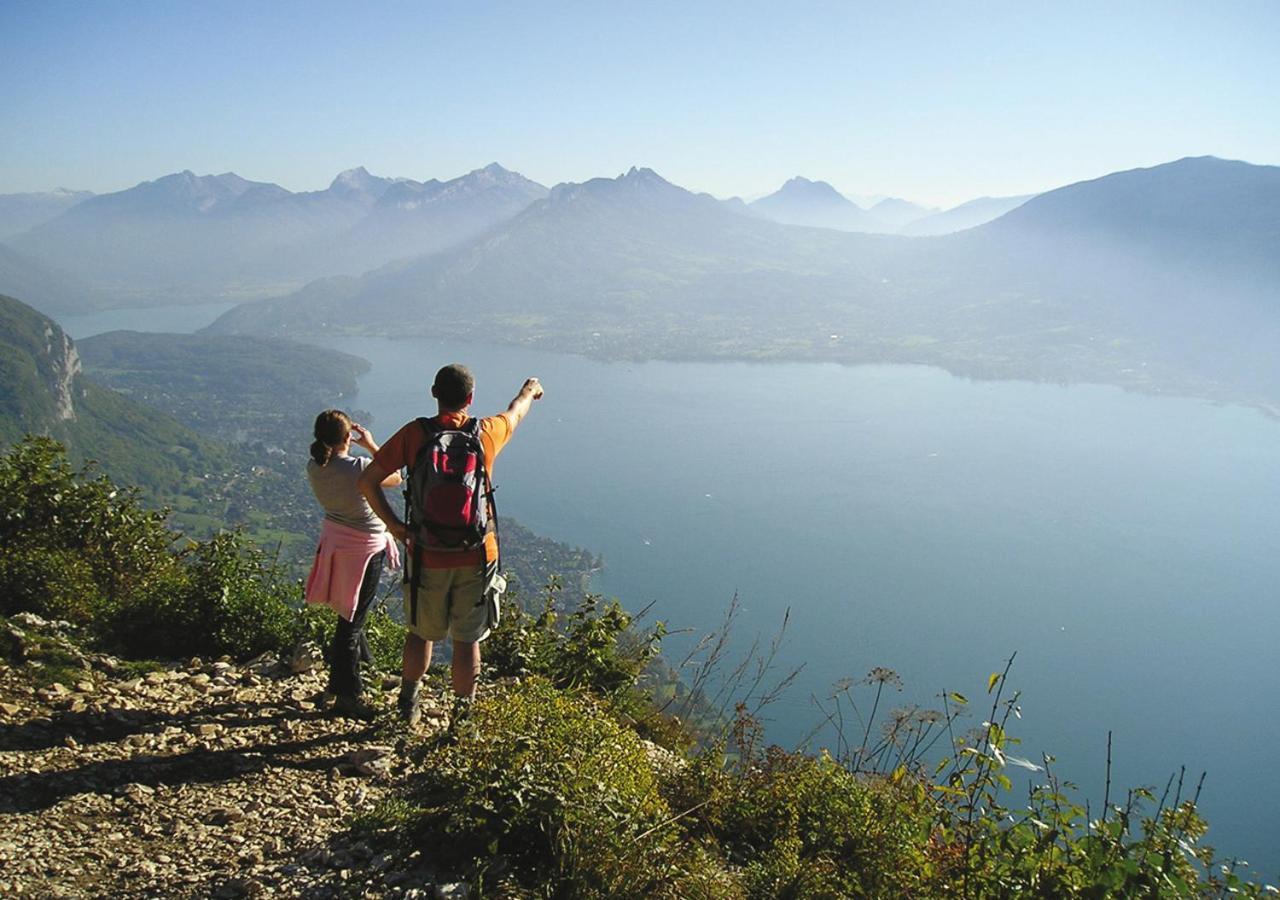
{"x": 341, "y": 560}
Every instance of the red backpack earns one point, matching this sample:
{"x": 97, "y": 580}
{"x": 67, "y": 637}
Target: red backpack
{"x": 448, "y": 497}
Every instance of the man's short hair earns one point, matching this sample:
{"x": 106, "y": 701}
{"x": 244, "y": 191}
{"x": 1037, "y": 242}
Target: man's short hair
{"x": 453, "y": 385}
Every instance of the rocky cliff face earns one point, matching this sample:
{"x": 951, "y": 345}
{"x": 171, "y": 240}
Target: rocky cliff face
{"x": 62, "y": 365}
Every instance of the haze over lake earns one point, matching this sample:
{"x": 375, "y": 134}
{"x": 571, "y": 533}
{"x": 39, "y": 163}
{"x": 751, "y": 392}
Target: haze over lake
{"x": 1123, "y": 544}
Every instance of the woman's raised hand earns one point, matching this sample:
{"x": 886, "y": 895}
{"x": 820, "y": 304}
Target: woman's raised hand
{"x": 363, "y": 438}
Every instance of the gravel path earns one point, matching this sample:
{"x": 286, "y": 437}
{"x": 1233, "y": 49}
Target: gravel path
{"x": 203, "y": 779}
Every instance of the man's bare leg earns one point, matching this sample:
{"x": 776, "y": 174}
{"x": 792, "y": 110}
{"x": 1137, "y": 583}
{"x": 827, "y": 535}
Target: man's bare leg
{"x": 417, "y": 656}
{"x": 466, "y": 667}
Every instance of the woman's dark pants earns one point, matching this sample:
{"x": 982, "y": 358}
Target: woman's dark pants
{"x": 349, "y": 645}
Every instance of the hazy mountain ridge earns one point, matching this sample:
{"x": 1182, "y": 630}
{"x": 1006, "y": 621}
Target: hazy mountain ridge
{"x": 895, "y": 213}
{"x": 638, "y": 267}
{"x": 817, "y": 204}
{"x": 19, "y": 212}
{"x": 615, "y": 251}
{"x": 186, "y": 237}
{"x": 814, "y": 203}
{"x": 969, "y": 214}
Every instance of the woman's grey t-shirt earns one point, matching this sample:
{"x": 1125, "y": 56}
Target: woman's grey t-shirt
{"x": 335, "y": 487}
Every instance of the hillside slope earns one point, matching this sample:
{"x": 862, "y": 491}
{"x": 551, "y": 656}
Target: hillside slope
{"x": 44, "y": 391}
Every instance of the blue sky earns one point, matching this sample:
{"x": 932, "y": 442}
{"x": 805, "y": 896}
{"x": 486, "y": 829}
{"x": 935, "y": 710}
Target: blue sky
{"x": 934, "y": 101}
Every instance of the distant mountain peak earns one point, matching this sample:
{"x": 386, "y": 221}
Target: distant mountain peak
{"x": 806, "y": 190}
{"x": 493, "y": 174}
{"x": 809, "y": 185}
{"x": 636, "y": 185}
{"x": 359, "y": 181}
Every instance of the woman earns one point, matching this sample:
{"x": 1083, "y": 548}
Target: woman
{"x": 354, "y": 545}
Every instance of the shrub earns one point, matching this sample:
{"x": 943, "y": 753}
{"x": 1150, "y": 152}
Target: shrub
{"x": 72, "y": 538}
{"x": 225, "y": 597}
{"x": 78, "y": 548}
{"x": 385, "y": 634}
{"x": 802, "y": 826}
{"x": 594, "y": 648}
{"x": 550, "y": 782}
{"x": 53, "y": 583}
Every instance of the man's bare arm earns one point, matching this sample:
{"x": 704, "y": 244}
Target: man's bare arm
{"x": 370, "y": 484}
{"x": 519, "y": 407}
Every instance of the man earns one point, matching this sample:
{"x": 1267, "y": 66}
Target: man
{"x": 447, "y": 596}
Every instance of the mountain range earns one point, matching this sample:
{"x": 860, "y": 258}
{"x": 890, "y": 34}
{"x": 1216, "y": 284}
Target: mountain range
{"x": 188, "y": 237}
{"x": 1153, "y": 278}
{"x": 1159, "y": 278}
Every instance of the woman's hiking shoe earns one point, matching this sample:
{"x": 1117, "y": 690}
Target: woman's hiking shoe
{"x": 353, "y": 708}
{"x": 408, "y": 705}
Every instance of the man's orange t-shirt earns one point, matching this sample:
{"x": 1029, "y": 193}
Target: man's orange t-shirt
{"x": 401, "y": 450}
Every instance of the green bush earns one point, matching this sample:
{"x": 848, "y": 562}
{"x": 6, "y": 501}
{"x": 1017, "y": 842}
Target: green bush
{"x": 76, "y": 547}
{"x": 551, "y": 783}
{"x": 793, "y": 825}
{"x": 385, "y": 634}
{"x": 224, "y": 597}
{"x": 594, "y": 648}
{"x": 54, "y": 583}
{"x": 72, "y": 539}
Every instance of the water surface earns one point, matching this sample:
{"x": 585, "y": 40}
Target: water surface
{"x": 1124, "y": 545}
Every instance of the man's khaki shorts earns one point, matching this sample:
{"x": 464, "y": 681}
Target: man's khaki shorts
{"x": 451, "y": 603}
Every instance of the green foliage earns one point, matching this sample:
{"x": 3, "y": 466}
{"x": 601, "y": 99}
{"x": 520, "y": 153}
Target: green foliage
{"x": 794, "y": 825}
{"x": 46, "y": 658}
{"x": 225, "y": 597}
{"x": 72, "y": 540}
{"x": 594, "y": 648}
{"x": 547, "y": 793}
{"x": 386, "y": 639}
{"x": 384, "y": 634}
{"x": 56, "y": 583}
{"x": 78, "y": 548}
{"x": 229, "y": 387}
{"x": 552, "y": 784}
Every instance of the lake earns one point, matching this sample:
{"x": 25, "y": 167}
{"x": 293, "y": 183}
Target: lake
{"x": 1124, "y": 545}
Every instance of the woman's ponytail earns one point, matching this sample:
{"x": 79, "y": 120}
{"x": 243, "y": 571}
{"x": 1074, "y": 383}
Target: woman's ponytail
{"x": 331, "y": 430}
{"x": 320, "y": 452}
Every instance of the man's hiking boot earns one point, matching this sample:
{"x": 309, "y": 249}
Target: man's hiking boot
{"x": 460, "y": 715}
{"x": 350, "y": 707}
{"x": 408, "y": 705}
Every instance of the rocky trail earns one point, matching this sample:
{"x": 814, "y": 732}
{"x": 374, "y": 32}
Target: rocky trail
{"x": 199, "y": 779}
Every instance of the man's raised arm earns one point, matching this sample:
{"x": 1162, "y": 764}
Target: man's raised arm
{"x": 370, "y": 485}
{"x": 519, "y": 407}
